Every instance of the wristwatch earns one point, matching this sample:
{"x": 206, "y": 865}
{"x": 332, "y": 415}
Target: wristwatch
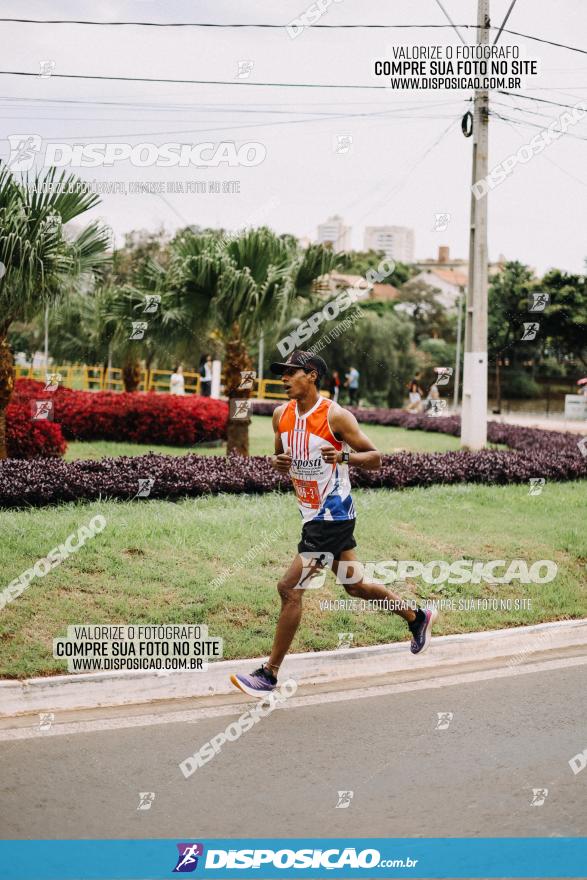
{"x": 345, "y": 457}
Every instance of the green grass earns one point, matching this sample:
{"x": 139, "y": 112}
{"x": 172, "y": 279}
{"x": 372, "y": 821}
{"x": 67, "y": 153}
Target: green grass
{"x": 386, "y": 439}
{"x": 155, "y": 560}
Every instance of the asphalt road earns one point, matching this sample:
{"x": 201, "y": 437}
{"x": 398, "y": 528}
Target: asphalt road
{"x": 507, "y": 737}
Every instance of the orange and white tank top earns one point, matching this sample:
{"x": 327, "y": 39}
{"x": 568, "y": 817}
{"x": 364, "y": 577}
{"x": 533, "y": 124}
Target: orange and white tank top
{"x": 323, "y": 490}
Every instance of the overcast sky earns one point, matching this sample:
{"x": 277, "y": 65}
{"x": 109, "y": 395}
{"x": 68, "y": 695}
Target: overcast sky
{"x": 403, "y": 166}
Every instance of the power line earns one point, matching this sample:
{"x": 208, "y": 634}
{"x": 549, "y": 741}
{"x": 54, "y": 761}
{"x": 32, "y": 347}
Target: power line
{"x": 521, "y": 109}
{"x": 213, "y": 82}
{"x": 541, "y": 100}
{"x": 548, "y": 42}
{"x": 210, "y": 24}
{"x": 554, "y": 88}
{"x": 549, "y": 158}
{"x": 233, "y": 108}
{"x": 198, "y": 131}
{"x": 263, "y": 25}
{"x": 504, "y": 22}
{"x": 452, "y": 24}
{"x": 194, "y": 82}
{"x": 395, "y": 188}
{"x": 534, "y": 125}
{"x": 138, "y": 106}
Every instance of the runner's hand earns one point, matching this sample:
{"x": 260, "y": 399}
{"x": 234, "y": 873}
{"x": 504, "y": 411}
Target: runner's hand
{"x": 329, "y": 454}
{"x": 282, "y": 462}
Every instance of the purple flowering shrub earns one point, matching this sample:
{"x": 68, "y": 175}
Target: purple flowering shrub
{"x": 532, "y": 453}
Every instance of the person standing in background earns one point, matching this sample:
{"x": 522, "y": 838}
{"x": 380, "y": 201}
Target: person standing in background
{"x": 206, "y": 375}
{"x": 334, "y": 385}
{"x": 433, "y": 394}
{"x": 177, "y": 382}
{"x": 415, "y": 395}
{"x": 352, "y": 383}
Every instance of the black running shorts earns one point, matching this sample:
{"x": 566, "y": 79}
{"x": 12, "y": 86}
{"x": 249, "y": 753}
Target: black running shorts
{"x": 327, "y": 536}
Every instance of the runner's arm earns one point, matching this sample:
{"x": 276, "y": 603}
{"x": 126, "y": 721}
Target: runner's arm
{"x": 344, "y": 425}
{"x": 281, "y": 461}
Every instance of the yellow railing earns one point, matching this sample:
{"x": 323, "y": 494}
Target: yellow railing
{"x": 96, "y": 378}
{"x": 262, "y": 390}
{"x": 159, "y": 381}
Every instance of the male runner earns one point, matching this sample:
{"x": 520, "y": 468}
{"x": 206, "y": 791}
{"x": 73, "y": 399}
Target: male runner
{"x": 315, "y": 441}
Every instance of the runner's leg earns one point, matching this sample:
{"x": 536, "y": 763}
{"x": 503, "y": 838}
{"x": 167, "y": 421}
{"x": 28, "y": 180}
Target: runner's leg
{"x": 365, "y": 590}
{"x": 291, "y": 612}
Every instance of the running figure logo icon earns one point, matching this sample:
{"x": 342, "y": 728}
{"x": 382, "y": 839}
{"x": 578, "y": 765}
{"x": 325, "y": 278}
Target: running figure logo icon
{"x": 539, "y": 795}
{"x": 145, "y": 486}
{"x": 345, "y": 640}
{"x": 152, "y": 303}
{"x": 315, "y": 564}
{"x": 188, "y": 857}
{"x": 538, "y": 302}
{"x": 441, "y": 221}
{"x": 23, "y": 151}
{"x": 146, "y": 799}
{"x": 344, "y": 799}
{"x": 138, "y": 329}
{"x": 247, "y": 380}
{"x": 41, "y": 409}
{"x": 239, "y": 409}
{"x": 530, "y": 331}
{"x": 437, "y": 408}
{"x": 46, "y": 68}
{"x": 343, "y": 144}
{"x": 444, "y": 374}
{"x": 444, "y": 719}
{"x": 244, "y": 68}
{"x": 52, "y": 381}
{"x": 46, "y": 719}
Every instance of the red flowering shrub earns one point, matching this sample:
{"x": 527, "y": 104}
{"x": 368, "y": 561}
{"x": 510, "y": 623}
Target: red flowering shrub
{"x": 32, "y": 483}
{"x": 139, "y": 417}
{"x": 532, "y": 452}
{"x": 26, "y": 438}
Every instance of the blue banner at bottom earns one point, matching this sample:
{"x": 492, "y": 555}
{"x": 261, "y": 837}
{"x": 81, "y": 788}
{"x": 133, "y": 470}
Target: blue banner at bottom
{"x": 505, "y": 857}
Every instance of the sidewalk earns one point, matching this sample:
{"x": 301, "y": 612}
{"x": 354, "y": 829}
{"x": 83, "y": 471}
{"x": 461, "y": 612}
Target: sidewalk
{"x": 332, "y": 670}
{"x": 556, "y": 422}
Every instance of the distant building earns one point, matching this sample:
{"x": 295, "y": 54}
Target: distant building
{"x": 444, "y": 261}
{"x": 331, "y": 284}
{"x": 397, "y": 242}
{"x": 450, "y": 283}
{"x": 334, "y": 231}
{"x": 451, "y": 277}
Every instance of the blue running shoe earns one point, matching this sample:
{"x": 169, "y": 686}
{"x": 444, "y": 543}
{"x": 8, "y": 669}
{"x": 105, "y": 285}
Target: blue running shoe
{"x": 258, "y": 684}
{"x": 421, "y": 629}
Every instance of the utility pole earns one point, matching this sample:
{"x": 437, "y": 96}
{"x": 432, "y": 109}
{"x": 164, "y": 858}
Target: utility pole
{"x": 261, "y": 355}
{"x": 457, "y": 383}
{"x": 46, "y": 338}
{"x": 474, "y": 406}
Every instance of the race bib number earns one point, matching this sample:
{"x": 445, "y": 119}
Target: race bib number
{"x": 307, "y": 492}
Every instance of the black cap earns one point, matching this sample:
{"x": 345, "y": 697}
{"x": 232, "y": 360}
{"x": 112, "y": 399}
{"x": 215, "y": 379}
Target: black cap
{"x": 305, "y": 360}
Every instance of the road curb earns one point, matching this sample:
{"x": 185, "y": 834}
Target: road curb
{"x": 455, "y": 653}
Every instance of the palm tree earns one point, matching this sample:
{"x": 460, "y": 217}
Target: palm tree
{"x": 239, "y": 287}
{"x": 38, "y": 262}
{"x": 87, "y": 309}
{"x": 129, "y": 282}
